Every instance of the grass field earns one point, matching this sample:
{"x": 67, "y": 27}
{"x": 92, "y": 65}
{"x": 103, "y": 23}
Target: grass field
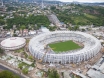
{"x": 64, "y": 46}
{"x": 90, "y": 16}
{"x": 80, "y": 19}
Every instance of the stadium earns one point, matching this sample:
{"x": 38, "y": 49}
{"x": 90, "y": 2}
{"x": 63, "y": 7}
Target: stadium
{"x": 13, "y": 43}
{"x": 46, "y": 47}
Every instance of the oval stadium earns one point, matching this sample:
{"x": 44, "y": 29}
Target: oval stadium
{"x": 64, "y": 47}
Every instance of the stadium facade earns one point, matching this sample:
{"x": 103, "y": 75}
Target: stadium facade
{"x": 91, "y": 47}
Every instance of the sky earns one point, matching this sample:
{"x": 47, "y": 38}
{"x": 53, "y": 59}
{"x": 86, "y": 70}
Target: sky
{"x": 92, "y": 1}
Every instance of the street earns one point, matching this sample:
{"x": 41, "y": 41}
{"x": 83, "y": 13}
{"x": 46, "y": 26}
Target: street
{"x": 4, "y": 68}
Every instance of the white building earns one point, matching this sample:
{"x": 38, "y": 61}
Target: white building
{"x": 13, "y": 43}
{"x": 91, "y": 47}
{"x": 44, "y": 29}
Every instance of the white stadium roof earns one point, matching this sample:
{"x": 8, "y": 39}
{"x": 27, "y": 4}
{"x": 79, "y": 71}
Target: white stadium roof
{"x": 13, "y": 43}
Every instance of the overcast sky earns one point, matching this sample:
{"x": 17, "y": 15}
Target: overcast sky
{"x": 82, "y": 0}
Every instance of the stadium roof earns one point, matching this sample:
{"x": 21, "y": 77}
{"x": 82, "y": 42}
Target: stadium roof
{"x": 12, "y": 42}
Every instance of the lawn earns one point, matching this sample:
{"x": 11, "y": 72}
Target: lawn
{"x": 80, "y": 19}
{"x": 64, "y": 46}
{"x": 90, "y": 16}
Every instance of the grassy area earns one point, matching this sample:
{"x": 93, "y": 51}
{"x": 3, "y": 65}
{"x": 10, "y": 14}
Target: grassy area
{"x": 64, "y": 46}
{"x": 90, "y": 16}
{"x": 20, "y": 50}
{"x": 27, "y": 40}
{"x": 80, "y": 19}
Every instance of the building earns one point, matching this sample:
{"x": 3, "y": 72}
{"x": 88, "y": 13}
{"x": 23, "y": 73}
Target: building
{"x": 13, "y": 43}
{"x": 44, "y": 29}
{"x": 91, "y": 47}
{"x": 53, "y": 19}
{"x": 2, "y": 6}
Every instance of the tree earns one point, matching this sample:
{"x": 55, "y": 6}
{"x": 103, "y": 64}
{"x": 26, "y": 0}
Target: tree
{"x": 22, "y": 22}
{"x": 76, "y": 27}
{"x": 23, "y": 27}
{"x": 8, "y": 74}
{"x": 25, "y": 70}
{"x": 53, "y": 74}
{"x": 20, "y": 65}
{"x": 53, "y": 7}
{"x": 1, "y": 50}
{"x": 83, "y": 30}
{"x": 2, "y": 22}
{"x": 52, "y": 28}
{"x": 15, "y": 35}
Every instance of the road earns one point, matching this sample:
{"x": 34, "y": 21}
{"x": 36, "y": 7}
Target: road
{"x": 4, "y": 68}
{"x": 22, "y": 37}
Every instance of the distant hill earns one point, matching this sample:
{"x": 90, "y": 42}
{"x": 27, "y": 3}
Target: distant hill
{"x": 94, "y": 3}
{"x": 31, "y": 0}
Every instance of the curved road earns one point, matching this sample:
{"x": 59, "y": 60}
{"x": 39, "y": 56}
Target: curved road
{"x": 4, "y": 68}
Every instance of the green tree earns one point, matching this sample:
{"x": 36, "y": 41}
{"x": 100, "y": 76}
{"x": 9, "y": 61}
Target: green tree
{"x": 1, "y": 50}
{"x": 53, "y": 74}
{"x": 25, "y": 70}
{"x": 8, "y": 74}
{"x": 23, "y": 27}
{"x": 52, "y": 28}
{"x": 53, "y": 7}
{"x": 20, "y": 65}
{"x": 22, "y": 22}
{"x": 2, "y": 22}
{"x": 15, "y": 35}
{"x": 76, "y": 27}
{"x": 83, "y": 30}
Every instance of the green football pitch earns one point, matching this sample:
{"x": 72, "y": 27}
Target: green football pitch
{"x": 64, "y": 46}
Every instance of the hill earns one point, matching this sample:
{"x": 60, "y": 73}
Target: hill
{"x": 79, "y": 14}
